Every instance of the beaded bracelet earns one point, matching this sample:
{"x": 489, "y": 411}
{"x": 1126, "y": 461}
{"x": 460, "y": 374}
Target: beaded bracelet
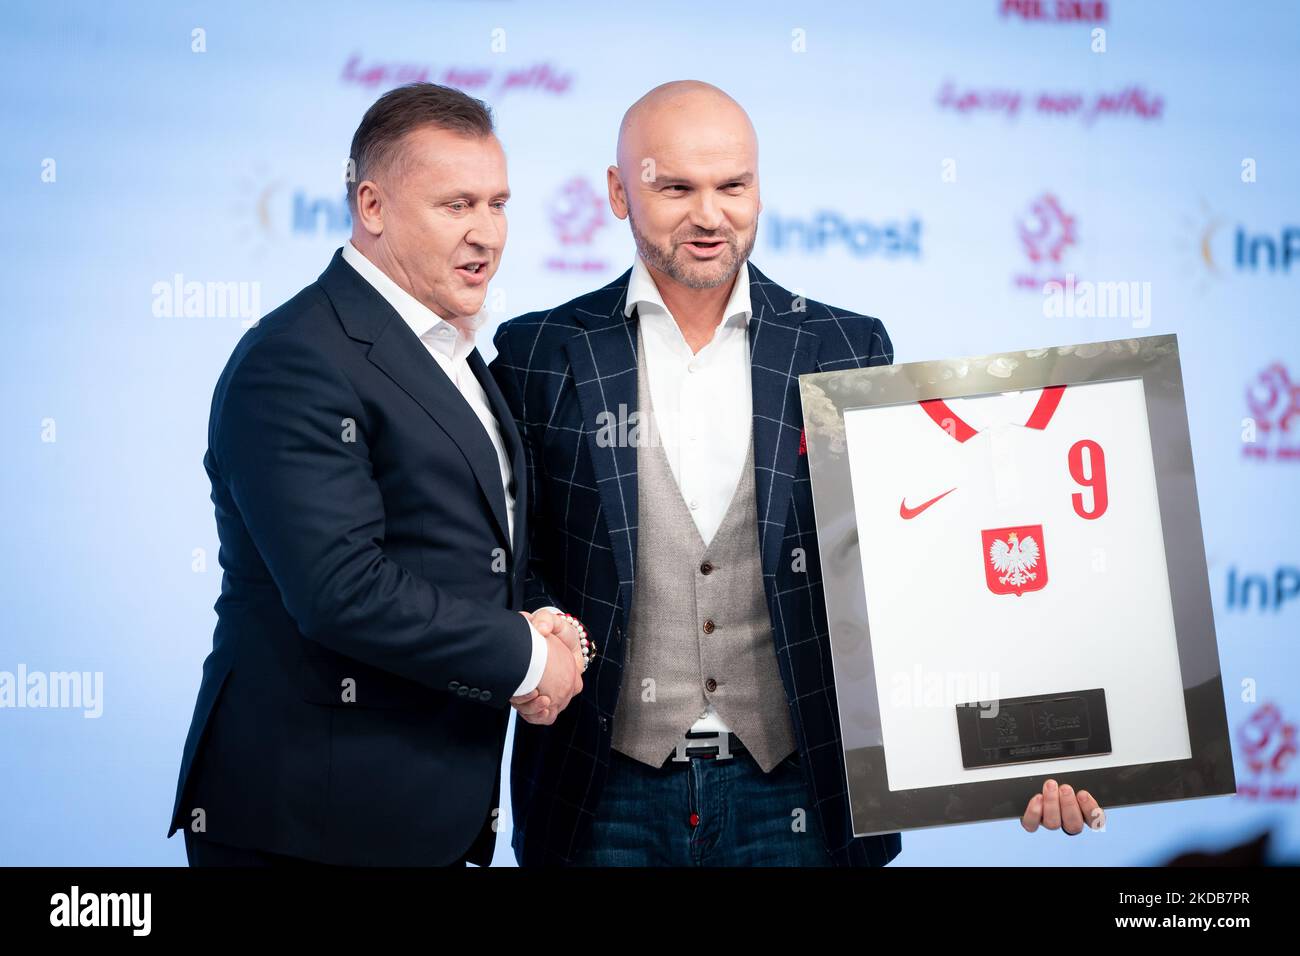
{"x": 588, "y": 647}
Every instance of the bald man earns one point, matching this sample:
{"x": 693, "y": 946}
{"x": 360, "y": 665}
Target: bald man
{"x": 670, "y": 499}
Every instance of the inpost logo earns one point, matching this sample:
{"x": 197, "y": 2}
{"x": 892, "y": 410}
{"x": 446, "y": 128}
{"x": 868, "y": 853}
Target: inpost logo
{"x": 271, "y": 210}
{"x": 1225, "y": 248}
{"x": 1263, "y": 591}
{"x": 828, "y": 230}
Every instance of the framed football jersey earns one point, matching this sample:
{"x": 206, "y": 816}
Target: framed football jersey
{"x": 1015, "y": 581}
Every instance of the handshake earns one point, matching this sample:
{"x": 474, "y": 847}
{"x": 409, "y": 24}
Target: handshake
{"x": 568, "y": 652}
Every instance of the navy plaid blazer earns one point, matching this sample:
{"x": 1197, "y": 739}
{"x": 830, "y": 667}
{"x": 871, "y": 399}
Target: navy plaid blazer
{"x": 565, "y": 374}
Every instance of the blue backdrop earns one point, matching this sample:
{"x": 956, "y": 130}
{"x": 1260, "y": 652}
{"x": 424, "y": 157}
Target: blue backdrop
{"x": 175, "y": 170}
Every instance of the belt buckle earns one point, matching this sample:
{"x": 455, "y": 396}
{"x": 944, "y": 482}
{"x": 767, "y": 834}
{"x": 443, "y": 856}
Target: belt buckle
{"x": 685, "y": 744}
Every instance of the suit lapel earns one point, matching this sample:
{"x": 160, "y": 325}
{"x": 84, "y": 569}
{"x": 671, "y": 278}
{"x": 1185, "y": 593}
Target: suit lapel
{"x": 514, "y": 444}
{"x": 398, "y": 353}
{"x": 778, "y": 355}
{"x": 604, "y": 364}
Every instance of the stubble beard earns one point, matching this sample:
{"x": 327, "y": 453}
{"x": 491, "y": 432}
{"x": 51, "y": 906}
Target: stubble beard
{"x": 690, "y": 274}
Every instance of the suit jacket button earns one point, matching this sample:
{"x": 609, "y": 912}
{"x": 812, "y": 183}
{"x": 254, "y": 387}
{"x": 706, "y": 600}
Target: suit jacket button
{"x": 462, "y": 690}
{"x": 710, "y": 685}
{"x": 485, "y": 695}
{"x": 706, "y": 568}
{"x": 473, "y": 693}
{"x": 709, "y": 626}
{"x": 453, "y": 685}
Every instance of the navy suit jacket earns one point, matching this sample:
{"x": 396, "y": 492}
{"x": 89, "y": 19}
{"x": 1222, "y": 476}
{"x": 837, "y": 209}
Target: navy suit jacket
{"x": 355, "y": 703}
{"x": 567, "y": 372}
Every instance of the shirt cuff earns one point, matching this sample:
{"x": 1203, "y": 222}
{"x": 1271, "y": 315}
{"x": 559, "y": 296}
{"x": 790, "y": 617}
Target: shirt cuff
{"x": 536, "y": 664}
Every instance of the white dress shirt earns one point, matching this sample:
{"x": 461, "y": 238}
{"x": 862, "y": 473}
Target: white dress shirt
{"x": 450, "y": 345}
{"x": 703, "y": 406}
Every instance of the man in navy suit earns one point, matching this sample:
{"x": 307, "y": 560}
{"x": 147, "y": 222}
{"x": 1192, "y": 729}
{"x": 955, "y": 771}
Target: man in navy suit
{"x": 672, "y": 512}
{"x": 368, "y": 483}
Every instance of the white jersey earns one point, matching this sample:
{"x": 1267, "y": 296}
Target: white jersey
{"x": 1011, "y": 545}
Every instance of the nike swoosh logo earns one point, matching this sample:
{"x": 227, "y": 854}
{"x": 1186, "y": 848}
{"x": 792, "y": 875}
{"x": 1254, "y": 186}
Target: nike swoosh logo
{"x": 905, "y": 512}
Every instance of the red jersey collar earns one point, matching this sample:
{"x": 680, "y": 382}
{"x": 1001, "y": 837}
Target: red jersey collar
{"x": 945, "y": 417}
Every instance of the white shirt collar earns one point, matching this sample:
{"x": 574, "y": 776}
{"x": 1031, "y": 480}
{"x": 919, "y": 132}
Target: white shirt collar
{"x": 423, "y": 321}
{"x": 641, "y": 290}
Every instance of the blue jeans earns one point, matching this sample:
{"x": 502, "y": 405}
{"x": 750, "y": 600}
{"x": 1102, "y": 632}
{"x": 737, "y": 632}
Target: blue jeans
{"x": 744, "y": 816}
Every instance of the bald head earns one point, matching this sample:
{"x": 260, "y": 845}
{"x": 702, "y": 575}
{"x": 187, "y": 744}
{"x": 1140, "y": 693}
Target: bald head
{"x": 680, "y": 110}
{"x": 687, "y": 181}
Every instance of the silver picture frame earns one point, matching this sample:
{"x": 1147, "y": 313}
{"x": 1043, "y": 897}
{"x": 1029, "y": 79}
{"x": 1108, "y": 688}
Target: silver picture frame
{"x": 827, "y": 396}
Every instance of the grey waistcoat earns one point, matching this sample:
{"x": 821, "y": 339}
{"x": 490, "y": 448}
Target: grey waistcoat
{"x": 690, "y": 629}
